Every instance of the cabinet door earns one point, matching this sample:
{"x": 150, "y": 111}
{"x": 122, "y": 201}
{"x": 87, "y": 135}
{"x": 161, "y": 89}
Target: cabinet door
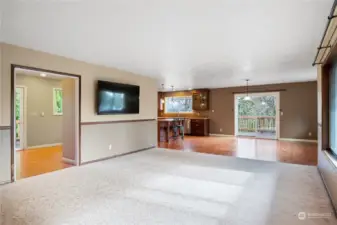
{"x": 199, "y": 127}
{"x": 200, "y": 100}
{"x": 196, "y": 101}
{"x": 204, "y": 100}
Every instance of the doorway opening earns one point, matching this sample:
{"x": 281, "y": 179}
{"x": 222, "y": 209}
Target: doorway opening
{"x": 45, "y": 121}
{"x": 257, "y": 115}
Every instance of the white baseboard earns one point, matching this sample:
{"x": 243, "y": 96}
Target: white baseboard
{"x": 221, "y": 135}
{"x": 44, "y": 146}
{"x": 69, "y": 161}
{"x": 5, "y": 182}
{"x": 299, "y": 140}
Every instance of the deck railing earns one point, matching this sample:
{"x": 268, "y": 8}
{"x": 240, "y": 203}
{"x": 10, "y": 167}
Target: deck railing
{"x": 257, "y": 123}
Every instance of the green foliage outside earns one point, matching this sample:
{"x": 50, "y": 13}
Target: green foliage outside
{"x": 257, "y": 106}
{"x": 58, "y": 101}
{"x": 17, "y": 112}
{"x": 178, "y": 104}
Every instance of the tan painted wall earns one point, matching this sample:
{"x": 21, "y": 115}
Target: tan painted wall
{"x": 123, "y": 138}
{"x": 4, "y": 165}
{"x": 69, "y": 119}
{"x": 41, "y": 130}
{"x": 1, "y": 123}
{"x": 298, "y": 103}
{"x": 90, "y": 74}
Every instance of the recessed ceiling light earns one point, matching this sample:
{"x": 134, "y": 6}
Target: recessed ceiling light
{"x": 43, "y": 74}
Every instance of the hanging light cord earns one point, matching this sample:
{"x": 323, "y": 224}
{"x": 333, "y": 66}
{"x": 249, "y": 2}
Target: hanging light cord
{"x": 162, "y": 93}
{"x": 247, "y": 86}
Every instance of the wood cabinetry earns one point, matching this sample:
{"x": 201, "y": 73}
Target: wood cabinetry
{"x": 200, "y": 100}
{"x": 200, "y": 127}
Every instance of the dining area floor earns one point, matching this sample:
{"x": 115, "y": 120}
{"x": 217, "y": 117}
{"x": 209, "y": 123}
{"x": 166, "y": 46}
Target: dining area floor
{"x": 295, "y": 152}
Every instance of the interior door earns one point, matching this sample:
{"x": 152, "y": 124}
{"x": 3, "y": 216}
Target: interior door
{"x": 19, "y": 118}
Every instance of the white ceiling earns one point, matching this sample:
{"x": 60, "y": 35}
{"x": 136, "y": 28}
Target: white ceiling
{"x": 185, "y": 43}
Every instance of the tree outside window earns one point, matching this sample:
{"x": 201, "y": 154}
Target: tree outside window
{"x": 257, "y": 106}
{"x": 179, "y": 104}
{"x": 57, "y": 101}
{"x": 17, "y": 113}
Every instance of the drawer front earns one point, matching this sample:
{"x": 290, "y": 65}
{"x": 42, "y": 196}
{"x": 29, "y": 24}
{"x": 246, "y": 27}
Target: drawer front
{"x": 197, "y": 126}
{"x": 198, "y": 132}
{"x": 196, "y": 121}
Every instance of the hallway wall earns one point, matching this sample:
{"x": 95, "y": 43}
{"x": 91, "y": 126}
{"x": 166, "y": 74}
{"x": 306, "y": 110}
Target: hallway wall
{"x": 69, "y": 119}
{"x": 43, "y": 127}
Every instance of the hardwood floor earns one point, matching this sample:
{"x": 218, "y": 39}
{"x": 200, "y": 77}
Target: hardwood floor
{"x": 38, "y": 161}
{"x": 303, "y": 153}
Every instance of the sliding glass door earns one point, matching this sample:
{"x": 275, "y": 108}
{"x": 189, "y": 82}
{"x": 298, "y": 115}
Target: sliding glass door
{"x": 257, "y": 115}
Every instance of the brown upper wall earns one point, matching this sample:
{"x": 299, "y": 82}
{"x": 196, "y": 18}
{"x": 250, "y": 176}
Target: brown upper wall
{"x": 298, "y": 102}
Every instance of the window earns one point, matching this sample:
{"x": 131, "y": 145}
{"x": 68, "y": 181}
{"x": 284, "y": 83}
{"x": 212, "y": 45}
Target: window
{"x": 57, "y": 101}
{"x": 333, "y": 110}
{"x": 181, "y": 104}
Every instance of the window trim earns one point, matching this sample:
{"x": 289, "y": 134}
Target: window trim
{"x": 55, "y": 113}
{"x": 185, "y": 96}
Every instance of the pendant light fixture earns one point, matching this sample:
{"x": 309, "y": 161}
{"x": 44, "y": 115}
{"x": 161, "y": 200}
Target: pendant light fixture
{"x": 173, "y": 99}
{"x": 247, "y": 97}
{"x": 162, "y": 99}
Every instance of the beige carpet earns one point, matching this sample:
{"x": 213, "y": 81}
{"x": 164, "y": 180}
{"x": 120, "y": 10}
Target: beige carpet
{"x": 170, "y": 187}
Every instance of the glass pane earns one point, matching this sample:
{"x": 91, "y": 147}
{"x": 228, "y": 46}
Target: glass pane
{"x": 178, "y": 104}
{"x": 17, "y": 112}
{"x": 257, "y": 116}
{"x": 58, "y": 108}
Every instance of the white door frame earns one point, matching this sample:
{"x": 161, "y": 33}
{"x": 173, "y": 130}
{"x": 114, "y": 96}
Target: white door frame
{"x": 23, "y": 112}
{"x": 277, "y": 104}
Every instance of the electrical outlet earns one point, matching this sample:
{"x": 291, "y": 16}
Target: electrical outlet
{"x": 310, "y": 134}
{"x": 220, "y": 129}
{"x": 110, "y": 147}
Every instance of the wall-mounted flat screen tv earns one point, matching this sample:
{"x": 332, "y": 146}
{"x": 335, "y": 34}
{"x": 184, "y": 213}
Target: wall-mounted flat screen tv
{"x": 116, "y": 98}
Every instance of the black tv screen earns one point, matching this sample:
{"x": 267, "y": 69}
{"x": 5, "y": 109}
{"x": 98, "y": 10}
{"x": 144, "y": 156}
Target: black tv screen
{"x": 116, "y": 98}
